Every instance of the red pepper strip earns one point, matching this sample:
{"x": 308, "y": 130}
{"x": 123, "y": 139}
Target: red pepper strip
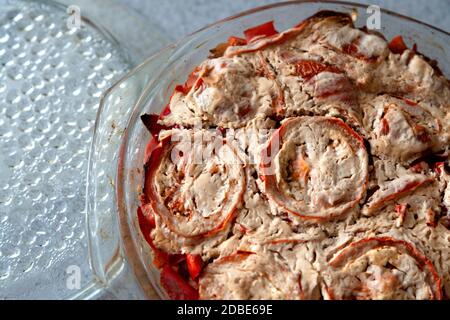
{"x": 410, "y": 102}
{"x": 146, "y": 221}
{"x": 408, "y": 188}
{"x": 146, "y": 225}
{"x": 151, "y": 145}
{"x": 439, "y": 167}
{"x": 264, "y": 30}
{"x": 220, "y": 49}
{"x": 165, "y": 112}
{"x": 240, "y": 255}
{"x": 431, "y": 218}
{"x": 150, "y": 166}
{"x": 244, "y": 230}
{"x": 175, "y": 286}
{"x": 194, "y": 265}
{"x": 421, "y": 133}
{"x": 151, "y": 123}
{"x": 284, "y": 241}
{"x": 180, "y": 88}
{"x": 309, "y": 68}
{"x": 146, "y": 211}
{"x": 351, "y": 49}
{"x": 384, "y": 127}
{"x": 176, "y": 259}
{"x": 397, "y": 45}
{"x": 236, "y": 41}
{"x": 419, "y": 167}
{"x": 192, "y": 81}
{"x": 400, "y": 209}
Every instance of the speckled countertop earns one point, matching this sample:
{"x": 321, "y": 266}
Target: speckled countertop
{"x": 177, "y": 18}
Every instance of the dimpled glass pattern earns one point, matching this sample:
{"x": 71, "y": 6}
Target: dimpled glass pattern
{"x": 51, "y": 81}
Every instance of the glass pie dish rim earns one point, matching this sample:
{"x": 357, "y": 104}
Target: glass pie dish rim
{"x": 130, "y": 251}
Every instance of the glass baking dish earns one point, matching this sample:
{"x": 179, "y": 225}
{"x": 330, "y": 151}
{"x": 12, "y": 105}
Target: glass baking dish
{"x": 56, "y": 58}
{"x": 151, "y": 84}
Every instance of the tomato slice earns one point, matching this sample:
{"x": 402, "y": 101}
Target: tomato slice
{"x": 176, "y": 287}
{"x": 397, "y": 45}
{"x": 264, "y": 30}
{"x": 194, "y": 264}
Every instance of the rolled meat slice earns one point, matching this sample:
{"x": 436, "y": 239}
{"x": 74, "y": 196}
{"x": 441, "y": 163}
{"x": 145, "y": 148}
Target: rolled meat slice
{"x": 249, "y": 276}
{"x": 228, "y": 92}
{"x": 357, "y": 43}
{"x": 194, "y": 183}
{"x": 403, "y": 130}
{"x": 315, "y": 167}
{"x": 305, "y": 30}
{"x": 393, "y": 190}
{"x": 383, "y": 268}
{"x": 314, "y": 87}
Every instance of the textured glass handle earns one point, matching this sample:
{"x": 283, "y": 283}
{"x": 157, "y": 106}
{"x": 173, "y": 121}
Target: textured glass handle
{"x": 106, "y": 239}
